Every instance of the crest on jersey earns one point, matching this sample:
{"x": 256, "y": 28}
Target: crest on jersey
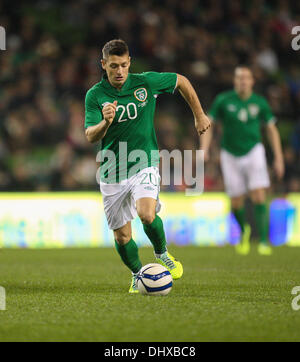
{"x": 253, "y": 109}
{"x": 231, "y": 108}
{"x": 141, "y": 94}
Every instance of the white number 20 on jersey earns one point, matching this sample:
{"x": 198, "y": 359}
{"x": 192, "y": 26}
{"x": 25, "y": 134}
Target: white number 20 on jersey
{"x": 130, "y": 110}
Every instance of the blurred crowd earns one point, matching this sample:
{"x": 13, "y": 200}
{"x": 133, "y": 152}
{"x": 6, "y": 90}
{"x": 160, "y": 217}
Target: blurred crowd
{"x": 52, "y": 58}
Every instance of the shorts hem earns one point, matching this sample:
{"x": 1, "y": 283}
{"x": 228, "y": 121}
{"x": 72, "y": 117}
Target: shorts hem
{"x": 119, "y": 226}
{"x": 259, "y": 187}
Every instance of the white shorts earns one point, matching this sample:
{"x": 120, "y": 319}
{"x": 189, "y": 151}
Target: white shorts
{"x": 249, "y": 172}
{"x": 119, "y": 199}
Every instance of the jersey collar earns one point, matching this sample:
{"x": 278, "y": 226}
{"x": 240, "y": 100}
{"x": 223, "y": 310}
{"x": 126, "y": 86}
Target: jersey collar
{"x": 241, "y": 99}
{"x": 107, "y": 85}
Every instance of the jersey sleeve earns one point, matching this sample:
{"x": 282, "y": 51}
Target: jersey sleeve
{"x": 266, "y": 113}
{"x": 93, "y": 114}
{"x": 161, "y": 82}
{"x": 215, "y": 111}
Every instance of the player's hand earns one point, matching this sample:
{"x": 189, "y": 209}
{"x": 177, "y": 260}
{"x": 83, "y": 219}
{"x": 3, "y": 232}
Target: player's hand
{"x": 202, "y": 124}
{"x": 278, "y": 166}
{"x": 109, "y": 112}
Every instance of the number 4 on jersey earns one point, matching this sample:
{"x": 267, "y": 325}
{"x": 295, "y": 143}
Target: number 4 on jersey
{"x": 243, "y": 115}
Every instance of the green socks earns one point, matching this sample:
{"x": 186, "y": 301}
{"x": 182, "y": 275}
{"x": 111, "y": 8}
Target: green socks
{"x": 129, "y": 255}
{"x": 240, "y": 217}
{"x": 262, "y": 221}
{"x": 156, "y": 234}
{"x": 129, "y": 252}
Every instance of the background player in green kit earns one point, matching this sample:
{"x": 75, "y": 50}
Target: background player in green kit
{"x": 119, "y": 113}
{"x": 242, "y": 113}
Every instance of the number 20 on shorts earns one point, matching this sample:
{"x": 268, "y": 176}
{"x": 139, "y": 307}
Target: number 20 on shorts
{"x": 149, "y": 178}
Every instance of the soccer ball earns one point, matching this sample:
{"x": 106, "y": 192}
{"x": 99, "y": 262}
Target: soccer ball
{"x": 154, "y": 279}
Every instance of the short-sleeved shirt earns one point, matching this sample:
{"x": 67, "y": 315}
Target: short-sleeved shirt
{"x": 130, "y": 143}
{"x": 241, "y": 120}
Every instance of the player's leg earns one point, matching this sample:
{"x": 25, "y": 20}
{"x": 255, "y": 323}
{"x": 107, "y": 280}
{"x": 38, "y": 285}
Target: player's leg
{"x": 238, "y": 210}
{"x": 128, "y": 251}
{"x": 236, "y": 188}
{"x": 258, "y": 198}
{"x": 153, "y": 227}
{"x": 259, "y": 181}
{"x": 127, "y": 248}
{"x": 152, "y": 223}
{"x": 120, "y": 210}
{"x": 145, "y": 191}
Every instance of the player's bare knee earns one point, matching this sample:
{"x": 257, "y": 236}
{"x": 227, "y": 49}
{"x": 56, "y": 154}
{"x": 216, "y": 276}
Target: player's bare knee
{"x": 258, "y": 196}
{"x": 147, "y": 218}
{"x": 237, "y": 202}
{"x": 122, "y": 238}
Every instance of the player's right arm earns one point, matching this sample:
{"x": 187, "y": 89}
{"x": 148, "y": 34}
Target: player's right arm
{"x": 97, "y": 132}
{"x": 97, "y": 123}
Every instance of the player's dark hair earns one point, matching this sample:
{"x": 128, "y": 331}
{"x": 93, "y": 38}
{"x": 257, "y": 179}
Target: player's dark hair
{"x": 115, "y": 47}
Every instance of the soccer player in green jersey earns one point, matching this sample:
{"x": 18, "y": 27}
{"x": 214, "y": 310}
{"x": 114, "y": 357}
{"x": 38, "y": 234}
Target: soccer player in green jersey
{"x": 243, "y": 162}
{"x": 119, "y": 112}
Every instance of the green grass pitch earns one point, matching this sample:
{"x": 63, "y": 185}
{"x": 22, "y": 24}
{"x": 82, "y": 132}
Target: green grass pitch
{"x": 82, "y": 295}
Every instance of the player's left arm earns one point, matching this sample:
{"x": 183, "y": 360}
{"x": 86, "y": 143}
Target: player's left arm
{"x": 202, "y": 122}
{"x": 274, "y": 139}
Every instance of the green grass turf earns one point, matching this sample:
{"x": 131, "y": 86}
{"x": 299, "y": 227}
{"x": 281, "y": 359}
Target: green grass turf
{"x": 81, "y": 295}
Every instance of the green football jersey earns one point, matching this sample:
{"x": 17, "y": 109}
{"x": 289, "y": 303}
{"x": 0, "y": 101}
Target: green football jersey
{"x": 241, "y": 120}
{"x": 130, "y": 143}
